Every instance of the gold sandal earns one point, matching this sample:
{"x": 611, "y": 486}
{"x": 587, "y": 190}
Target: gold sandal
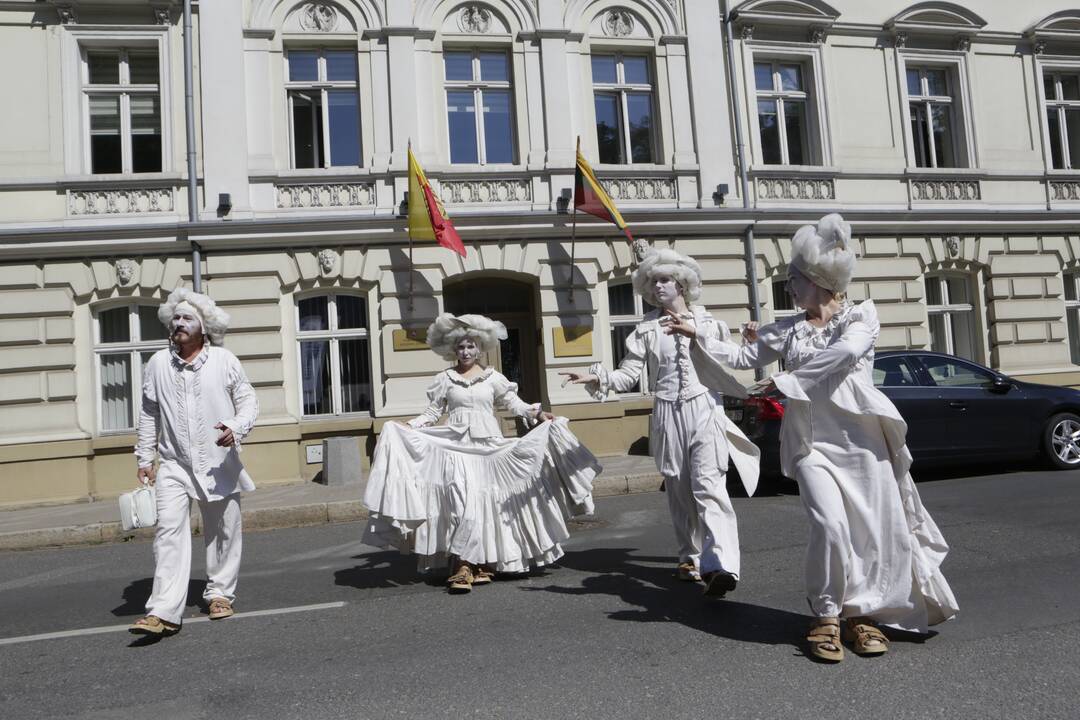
{"x": 824, "y": 639}
{"x": 483, "y": 576}
{"x": 153, "y": 625}
{"x": 686, "y": 572}
{"x": 220, "y": 608}
{"x": 865, "y": 638}
{"x": 461, "y": 581}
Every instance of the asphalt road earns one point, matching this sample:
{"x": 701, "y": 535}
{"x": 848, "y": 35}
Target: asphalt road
{"x": 609, "y": 633}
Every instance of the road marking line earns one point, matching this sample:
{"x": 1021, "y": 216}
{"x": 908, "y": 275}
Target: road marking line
{"x": 187, "y": 621}
{"x": 48, "y": 575}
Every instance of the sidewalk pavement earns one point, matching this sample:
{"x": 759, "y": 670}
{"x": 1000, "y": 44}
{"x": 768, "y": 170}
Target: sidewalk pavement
{"x": 278, "y": 506}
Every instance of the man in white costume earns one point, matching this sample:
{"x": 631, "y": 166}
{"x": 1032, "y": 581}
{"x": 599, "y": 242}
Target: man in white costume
{"x": 197, "y": 405}
{"x": 690, "y": 436}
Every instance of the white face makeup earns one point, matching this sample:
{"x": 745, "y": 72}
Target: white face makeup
{"x": 665, "y": 289}
{"x": 468, "y": 352}
{"x": 185, "y": 324}
{"x": 804, "y": 293}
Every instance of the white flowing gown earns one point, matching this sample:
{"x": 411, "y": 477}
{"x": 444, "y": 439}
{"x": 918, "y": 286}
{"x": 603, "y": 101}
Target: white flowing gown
{"x": 463, "y": 489}
{"x": 874, "y": 550}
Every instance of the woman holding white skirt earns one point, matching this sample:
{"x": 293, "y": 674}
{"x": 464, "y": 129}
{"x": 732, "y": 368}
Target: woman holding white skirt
{"x": 874, "y": 552}
{"x": 462, "y": 491}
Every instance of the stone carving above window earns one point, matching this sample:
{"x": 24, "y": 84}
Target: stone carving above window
{"x": 1065, "y": 190}
{"x": 318, "y": 17}
{"x": 458, "y": 192}
{"x": 945, "y": 190}
{"x": 125, "y": 270}
{"x": 327, "y": 261}
{"x": 325, "y": 195}
{"x": 641, "y": 248}
{"x": 656, "y": 189}
{"x": 618, "y": 23}
{"x": 475, "y": 19}
{"x": 120, "y": 202}
{"x": 795, "y": 188}
{"x": 952, "y": 245}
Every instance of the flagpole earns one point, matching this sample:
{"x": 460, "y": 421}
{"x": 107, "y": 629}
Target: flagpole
{"x": 573, "y": 223}
{"x": 408, "y": 227}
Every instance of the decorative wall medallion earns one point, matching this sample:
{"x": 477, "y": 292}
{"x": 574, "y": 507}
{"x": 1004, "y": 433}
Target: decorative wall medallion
{"x": 900, "y": 40}
{"x": 457, "y": 192}
{"x": 619, "y": 23}
{"x": 746, "y": 32}
{"x": 952, "y": 245}
{"x": 1039, "y": 46}
{"x": 963, "y": 43}
{"x": 474, "y": 19}
{"x": 796, "y": 188}
{"x": 325, "y": 195}
{"x": 641, "y": 248}
{"x": 125, "y": 270}
{"x": 67, "y": 15}
{"x": 162, "y": 16}
{"x": 327, "y": 261}
{"x": 816, "y": 35}
{"x": 659, "y": 189}
{"x": 318, "y": 17}
{"x": 932, "y": 190}
{"x": 120, "y": 202}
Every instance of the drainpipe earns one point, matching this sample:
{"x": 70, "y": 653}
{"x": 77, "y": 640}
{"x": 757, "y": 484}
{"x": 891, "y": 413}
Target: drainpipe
{"x": 744, "y": 181}
{"x": 193, "y": 180}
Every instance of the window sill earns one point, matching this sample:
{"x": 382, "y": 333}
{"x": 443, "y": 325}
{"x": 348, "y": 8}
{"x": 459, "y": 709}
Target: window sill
{"x": 330, "y": 424}
{"x": 639, "y": 168}
{"x": 816, "y": 170}
{"x": 173, "y": 179}
{"x": 973, "y": 173}
{"x": 314, "y": 174}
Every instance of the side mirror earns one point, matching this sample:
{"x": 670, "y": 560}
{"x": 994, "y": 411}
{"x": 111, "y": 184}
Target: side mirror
{"x": 1000, "y": 384}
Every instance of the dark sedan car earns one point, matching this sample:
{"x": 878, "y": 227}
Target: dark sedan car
{"x": 956, "y": 410}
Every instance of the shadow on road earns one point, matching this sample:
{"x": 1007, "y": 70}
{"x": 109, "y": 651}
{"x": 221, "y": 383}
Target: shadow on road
{"x": 387, "y": 569}
{"x": 137, "y": 593}
{"x": 659, "y": 596}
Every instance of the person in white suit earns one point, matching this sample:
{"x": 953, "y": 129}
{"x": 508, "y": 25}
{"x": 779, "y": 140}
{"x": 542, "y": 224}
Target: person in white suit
{"x": 690, "y": 436}
{"x": 874, "y": 555}
{"x": 197, "y": 406}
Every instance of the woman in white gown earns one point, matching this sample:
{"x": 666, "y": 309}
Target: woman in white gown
{"x": 874, "y": 552}
{"x": 462, "y": 491}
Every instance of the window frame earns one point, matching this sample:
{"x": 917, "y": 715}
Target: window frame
{"x": 323, "y": 86}
{"x": 779, "y": 97}
{"x": 623, "y": 89}
{"x": 947, "y": 309}
{"x": 134, "y": 347}
{"x": 1071, "y": 278}
{"x": 615, "y": 321}
{"x": 478, "y": 85}
{"x": 333, "y": 335}
{"x": 123, "y": 90}
{"x": 1056, "y": 67}
{"x": 955, "y": 64}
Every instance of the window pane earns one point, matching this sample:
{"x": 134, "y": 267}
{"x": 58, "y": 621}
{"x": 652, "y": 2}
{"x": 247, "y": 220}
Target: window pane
{"x": 145, "y": 133}
{"x": 105, "y": 150}
{"x": 494, "y": 67}
{"x": 340, "y": 65}
{"x": 943, "y": 140}
{"x": 1073, "y": 317}
{"x": 608, "y": 128}
{"x": 914, "y": 83}
{"x": 143, "y": 68}
{"x": 498, "y": 127}
{"x": 116, "y": 405}
{"x": 307, "y": 129}
{"x": 933, "y": 291}
{"x": 1070, "y": 87}
{"x": 458, "y": 66}
{"x": 103, "y": 68}
{"x": 920, "y": 138}
{"x": 949, "y": 373}
{"x": 770, "y": 133}
{"x": 344, "y": 110}
{"x": 963, "y": 335}
{"x": 936, "y": 82}
{"x": 763, "y": 78}
{"x": 1072, "y": 134}
{"x": 355, "y": 375}
{"x": 639, "y": 109}
{"x": 1049, "y": 89}
{"x": 939, "y": 341}
{"x": 795, "y": 127}
{"x": 314, "y": 313}
{"x": 114, "y": 325}
{"x": 603, "y": 69}
{"x": 621, "y": 299}
{"x": 1070, "y": 287}
{"x": 958, "y": 291}
{"x": 315, "y": 376}
{"x": 619, "y": 333}
{"x": 781, "y": 297}
{"x": 636, "y": 70}
{"x": 303, "y": 65}
{"x": 462, "y": 118}
{"x": 1056, "y": 157}
{"x": 351, "y": 312}
{"x": 791, "y": 77}
{"x": 893, "y": 371}
{"x": 150, "y": 328}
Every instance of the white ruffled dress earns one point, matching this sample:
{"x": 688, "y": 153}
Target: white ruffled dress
{"x": 874, "y": 550}
{"x": 463, "y": 489}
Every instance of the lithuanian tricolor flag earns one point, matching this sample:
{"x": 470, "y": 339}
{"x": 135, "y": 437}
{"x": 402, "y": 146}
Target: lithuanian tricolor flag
{"x": 427, "y": 216}
{"x": 591, "y": 198}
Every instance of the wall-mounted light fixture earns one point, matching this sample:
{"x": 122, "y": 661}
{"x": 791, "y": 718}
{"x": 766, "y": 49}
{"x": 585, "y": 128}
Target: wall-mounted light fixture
{"x": 224, "y": 204}
{"x": 721, "y": 191}
{"x": 403, "y": 207}
{"x": 562, "y": 203}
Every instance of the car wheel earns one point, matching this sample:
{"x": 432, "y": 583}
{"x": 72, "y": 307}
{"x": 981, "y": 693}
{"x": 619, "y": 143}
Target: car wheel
{"x": 1061, "y": 441}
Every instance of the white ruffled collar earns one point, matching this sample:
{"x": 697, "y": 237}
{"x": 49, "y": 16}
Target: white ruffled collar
{"x": 458, "y": 379}
{"x": 804, "y": 328}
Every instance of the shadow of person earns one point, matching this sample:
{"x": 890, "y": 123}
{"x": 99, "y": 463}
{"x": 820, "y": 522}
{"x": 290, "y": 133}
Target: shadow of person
{"x": 649, "y": 585}
{"x": 138, "y": 592}
{"x": 386, "y": 569}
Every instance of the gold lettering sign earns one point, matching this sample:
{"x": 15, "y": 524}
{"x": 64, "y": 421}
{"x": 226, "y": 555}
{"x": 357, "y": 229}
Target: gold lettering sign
{"x": 410, "y": 339}
{"x": 572, "y": 341}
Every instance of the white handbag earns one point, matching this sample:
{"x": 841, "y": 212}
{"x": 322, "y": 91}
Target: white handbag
{"x": 138, "y": 508}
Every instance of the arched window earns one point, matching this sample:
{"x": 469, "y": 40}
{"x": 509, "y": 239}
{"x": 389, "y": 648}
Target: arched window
{"x": 125, "y": 336}
{"x": 335, "y": 359}
{"x": 950, "y": 311}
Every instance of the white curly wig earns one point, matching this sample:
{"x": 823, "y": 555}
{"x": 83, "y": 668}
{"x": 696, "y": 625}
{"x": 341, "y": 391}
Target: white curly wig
{"x": 215, "y": 321}
{"x": 446, "y": 332}
{"x": 824, "y": 253}
{"x": 665, "y": 261}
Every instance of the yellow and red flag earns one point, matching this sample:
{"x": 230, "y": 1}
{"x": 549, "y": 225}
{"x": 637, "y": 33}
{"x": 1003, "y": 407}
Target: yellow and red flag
{"x": 591, "y": 198}
{"x": 427, "y": 216}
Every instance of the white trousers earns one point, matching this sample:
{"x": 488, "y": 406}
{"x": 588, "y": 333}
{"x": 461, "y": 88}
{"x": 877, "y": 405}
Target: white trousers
{"x": 690, "y": 447}
{"x": 172, "y": 545}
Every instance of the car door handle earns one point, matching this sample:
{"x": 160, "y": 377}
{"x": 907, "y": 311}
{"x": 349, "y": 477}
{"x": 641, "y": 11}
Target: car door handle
{"x": 958, "y": 404}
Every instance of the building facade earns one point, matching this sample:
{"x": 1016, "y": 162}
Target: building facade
{"x": 943, "y": 132}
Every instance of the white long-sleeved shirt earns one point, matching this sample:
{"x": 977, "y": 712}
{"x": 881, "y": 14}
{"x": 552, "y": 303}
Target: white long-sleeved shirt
{"x": 181, "y": 404}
